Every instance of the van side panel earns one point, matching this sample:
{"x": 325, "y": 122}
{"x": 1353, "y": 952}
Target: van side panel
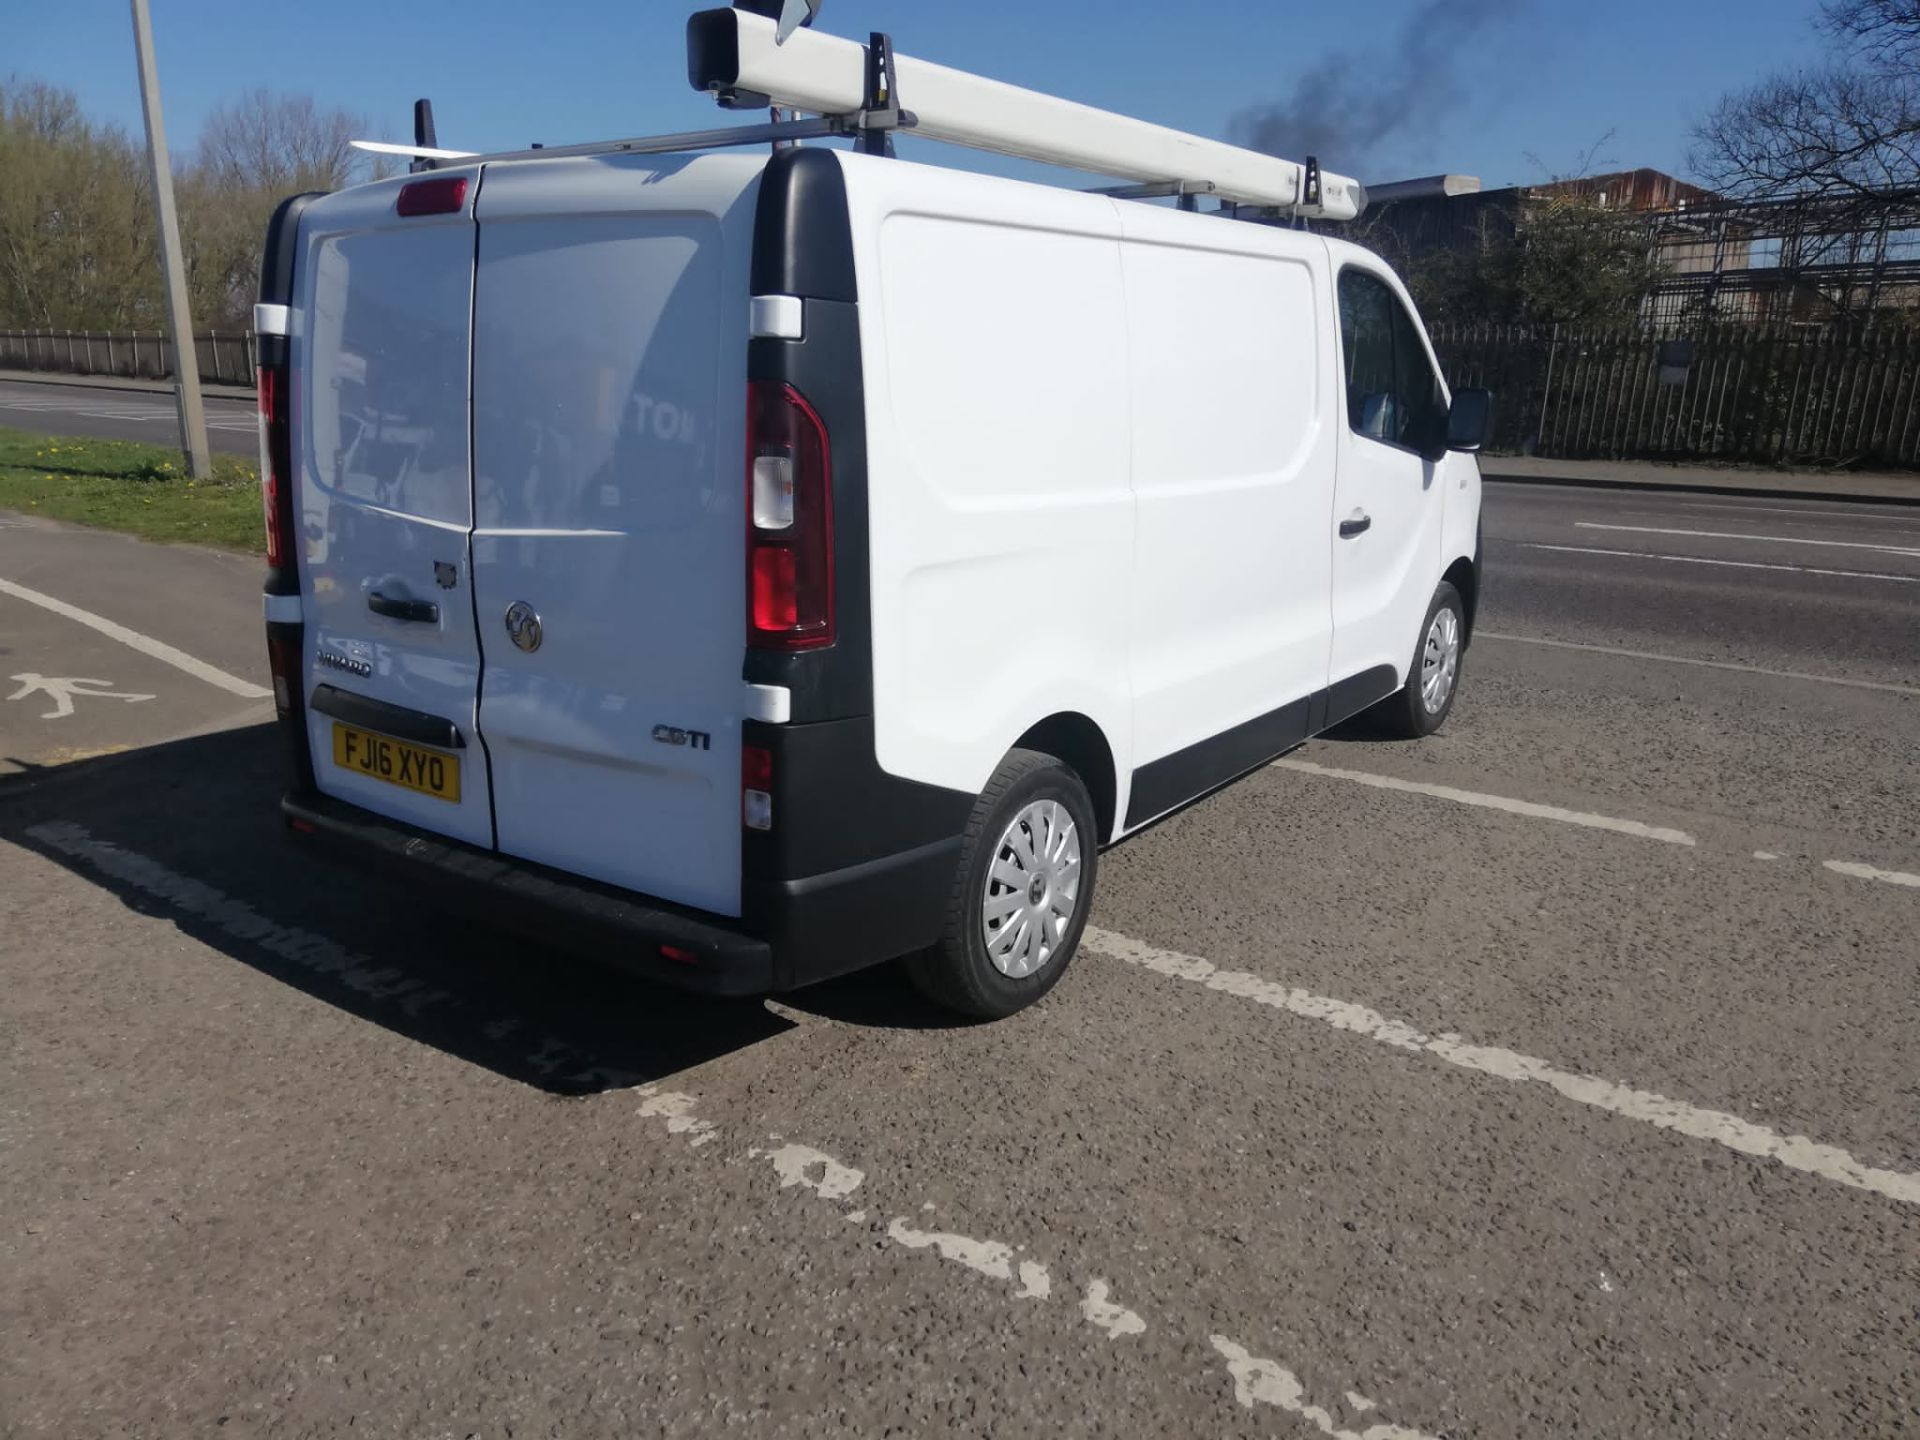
{"x": 993, "y": 327}
{"x": 1233, "y": 472}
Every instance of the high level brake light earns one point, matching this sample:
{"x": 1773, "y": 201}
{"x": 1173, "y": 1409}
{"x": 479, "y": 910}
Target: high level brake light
{"x": 789, "y": 521}
{"x": 444, "y": 196}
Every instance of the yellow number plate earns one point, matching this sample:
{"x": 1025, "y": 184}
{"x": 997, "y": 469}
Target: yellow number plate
{"x": 414, "y": 767}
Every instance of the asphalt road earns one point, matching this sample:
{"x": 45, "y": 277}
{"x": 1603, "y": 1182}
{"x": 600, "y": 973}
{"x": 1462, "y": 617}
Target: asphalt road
{"x": 1543, "y": 1078}
{"x": 113, "y": 414}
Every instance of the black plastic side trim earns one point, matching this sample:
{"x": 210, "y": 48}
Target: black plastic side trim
{"x": 1181, "y": 778}
{"x": 274, "y": 352}
{"x": 290, "y": 639}
{"x": 395, "y": 720}
{"x": 1167, "y": 783}
{"x": 276, "y": 268}
{"x": 1347, "y": 698}
{"x": 802, "y": 237}
{"x": 835, "y": 924}
{"x": 835, "y": 808}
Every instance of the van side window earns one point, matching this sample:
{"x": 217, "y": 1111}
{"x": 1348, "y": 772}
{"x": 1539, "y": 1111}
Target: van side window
{"x": 1392, "y": 392}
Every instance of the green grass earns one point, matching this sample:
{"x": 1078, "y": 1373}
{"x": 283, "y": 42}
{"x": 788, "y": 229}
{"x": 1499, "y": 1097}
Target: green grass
{"x": 139, "y": 489}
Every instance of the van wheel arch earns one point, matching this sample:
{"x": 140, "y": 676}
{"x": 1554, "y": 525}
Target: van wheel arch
{"x": 1080, "y": 744}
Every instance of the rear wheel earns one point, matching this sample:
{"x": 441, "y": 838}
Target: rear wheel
{"x": 1021, "y": 892}
{"x": 1422, "y": 705}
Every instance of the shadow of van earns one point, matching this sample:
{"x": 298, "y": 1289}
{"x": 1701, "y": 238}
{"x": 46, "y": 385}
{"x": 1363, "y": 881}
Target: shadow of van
{"x": 190, "y": 832}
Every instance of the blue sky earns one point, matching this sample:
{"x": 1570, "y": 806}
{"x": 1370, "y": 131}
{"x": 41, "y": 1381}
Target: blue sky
{"x": 1546, "y": 81}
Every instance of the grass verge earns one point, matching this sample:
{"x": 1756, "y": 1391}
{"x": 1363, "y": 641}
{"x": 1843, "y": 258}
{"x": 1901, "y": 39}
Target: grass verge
{"x": 138, "y": 489}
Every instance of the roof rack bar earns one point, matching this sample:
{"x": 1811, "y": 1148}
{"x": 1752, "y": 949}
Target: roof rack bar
{"x": 823, "y": 127}
{"x": 1156, "y": 189}
{"x": 733, "y": 51}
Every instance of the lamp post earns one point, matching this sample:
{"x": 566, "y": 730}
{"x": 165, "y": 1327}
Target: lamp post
{"x": 186, "y": 365}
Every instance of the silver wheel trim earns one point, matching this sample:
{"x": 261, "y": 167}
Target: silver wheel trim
{"x": 1440, "y": 660}
{"x": 1033, "y": 889}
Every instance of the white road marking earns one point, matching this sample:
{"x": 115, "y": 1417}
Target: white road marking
{"x": 1357, "y": 1401}
{"x": 1101, "y": 1313}
{"x": 1869, "y": 872}
{"x": 61, "y": 690}
{"x": 1266, "y": 1382}
{"x": 677, "y": 1110}
{"x": 1728, "y": 564}
{"x": 797, "y": 1164}
{"x": 1762, "y": 539}
{"x": 1796, "y": 1152}
{"x": 1702, "y": 664}
{"x": 145, "y": 644}
{"x": 1635, "y": 828}
{"x": 992, "y": 1258}
{"x": 1867, "y": 520}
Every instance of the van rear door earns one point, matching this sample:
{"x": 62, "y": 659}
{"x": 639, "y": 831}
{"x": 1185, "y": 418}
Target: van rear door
{"x": 383, "y": 501}
{"x": 609, "y": 402}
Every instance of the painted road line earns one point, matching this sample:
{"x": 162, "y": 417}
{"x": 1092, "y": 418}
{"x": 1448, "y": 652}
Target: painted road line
{"x": 1763, "y": 539}
{"x": 1729, "y": 564}
{"x": 145, "y": 644}
{"x": 1703, "y": 664}
{"x": 1635, "y": 828}
{"x": 1796, "y": 1152}
{"x": 1862, "y": 519}
{"x": 1267, "y": 1382}
{"x": 1869, "y": 872}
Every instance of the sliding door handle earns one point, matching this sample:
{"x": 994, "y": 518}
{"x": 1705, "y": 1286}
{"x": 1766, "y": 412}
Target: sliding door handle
{"x": 423, "y": 612}
{"x": 1358, "y": 525}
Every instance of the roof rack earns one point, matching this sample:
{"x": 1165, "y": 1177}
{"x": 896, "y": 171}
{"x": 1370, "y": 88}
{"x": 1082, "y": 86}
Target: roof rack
{"x": 856, "y": 91}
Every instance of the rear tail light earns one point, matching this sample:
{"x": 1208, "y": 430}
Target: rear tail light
{"x": 789, "y": 521}
{"x": 756, "y": 787}
{"x": 275, "y": 451}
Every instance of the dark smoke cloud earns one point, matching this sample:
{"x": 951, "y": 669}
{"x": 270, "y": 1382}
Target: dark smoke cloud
{"x": 1352, "y": 108}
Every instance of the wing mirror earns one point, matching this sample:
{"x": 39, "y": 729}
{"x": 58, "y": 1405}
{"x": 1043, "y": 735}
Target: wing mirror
{"x": 1470, "y": 421}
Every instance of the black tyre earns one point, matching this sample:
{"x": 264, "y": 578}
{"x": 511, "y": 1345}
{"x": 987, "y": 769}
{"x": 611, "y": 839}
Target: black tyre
{"x": 1021, "y": 892}
{"x": 1422, "y": 705}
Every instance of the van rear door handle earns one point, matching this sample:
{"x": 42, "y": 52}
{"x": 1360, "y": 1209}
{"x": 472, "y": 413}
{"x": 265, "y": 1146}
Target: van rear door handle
{"x": 1358, "y": 525}
{"x": 423, "y": 612}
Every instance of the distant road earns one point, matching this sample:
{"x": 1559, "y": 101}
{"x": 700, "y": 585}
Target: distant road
{"x": 109, "y": 414}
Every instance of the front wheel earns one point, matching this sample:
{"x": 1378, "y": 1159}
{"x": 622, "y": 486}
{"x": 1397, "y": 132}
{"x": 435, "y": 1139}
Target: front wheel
{"x": 1422, "y": 705}
{"x": 1020, "y": 895}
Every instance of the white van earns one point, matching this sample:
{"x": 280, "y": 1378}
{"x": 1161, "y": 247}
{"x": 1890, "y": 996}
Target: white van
{"x": 752, "y": 567}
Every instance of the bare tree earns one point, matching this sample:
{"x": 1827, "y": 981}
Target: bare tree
{"x": 1884, "y": 32}
{"x": 282, "y": 143}
{"x": 254, "y": 152}
{"x": 1849, "y": 127}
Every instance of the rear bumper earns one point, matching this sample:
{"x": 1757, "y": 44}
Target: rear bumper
{"x": 793, "y": 933}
